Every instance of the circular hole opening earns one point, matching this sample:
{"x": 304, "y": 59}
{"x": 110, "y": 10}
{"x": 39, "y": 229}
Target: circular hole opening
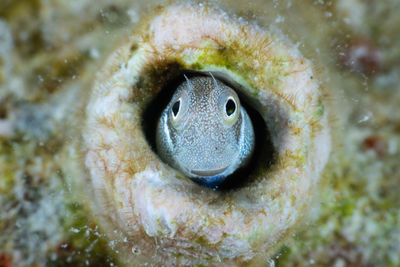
{"x": 264, "y": 153}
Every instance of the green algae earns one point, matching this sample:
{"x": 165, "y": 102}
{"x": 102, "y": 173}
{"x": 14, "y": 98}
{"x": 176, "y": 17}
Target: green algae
{"x": 320, "y": 110}
{"x": 221, "y": 59}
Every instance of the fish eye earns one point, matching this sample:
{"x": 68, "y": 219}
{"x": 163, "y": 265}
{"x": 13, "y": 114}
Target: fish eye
{"x": 175, "y": 108}
{"x": 178, "y": 109}
{"x": 230, "y": 107}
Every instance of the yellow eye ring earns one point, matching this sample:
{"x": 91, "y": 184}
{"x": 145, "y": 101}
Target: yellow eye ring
{"x": 230, "y": 109}
{"x": 176, "y": 108}
{"x": 179, "y": 108}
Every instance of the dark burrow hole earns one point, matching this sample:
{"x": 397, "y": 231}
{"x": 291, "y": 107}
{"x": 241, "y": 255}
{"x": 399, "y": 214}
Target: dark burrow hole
{"x": 264, "y": 153}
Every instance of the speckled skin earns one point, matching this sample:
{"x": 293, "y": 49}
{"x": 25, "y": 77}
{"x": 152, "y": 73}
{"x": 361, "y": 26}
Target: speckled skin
{"x": 203, "y": 141}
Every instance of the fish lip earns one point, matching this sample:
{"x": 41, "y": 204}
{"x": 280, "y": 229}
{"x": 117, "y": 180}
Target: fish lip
{"x": 208, "y": 173}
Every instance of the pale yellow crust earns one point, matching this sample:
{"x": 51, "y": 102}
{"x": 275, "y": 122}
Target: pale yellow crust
{"x": 167, "y": 218}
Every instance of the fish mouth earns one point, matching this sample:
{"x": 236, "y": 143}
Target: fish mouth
{"x": 206, "y": 173}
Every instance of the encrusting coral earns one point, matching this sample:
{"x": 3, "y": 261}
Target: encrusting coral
{"x": 150, "y": 201}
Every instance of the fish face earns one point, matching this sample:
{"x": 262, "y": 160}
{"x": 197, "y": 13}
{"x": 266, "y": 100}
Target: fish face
{"x": 204, "y": 131}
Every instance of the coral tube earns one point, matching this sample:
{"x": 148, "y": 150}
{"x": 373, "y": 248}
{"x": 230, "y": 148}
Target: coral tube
{"x": 166, "y": 217}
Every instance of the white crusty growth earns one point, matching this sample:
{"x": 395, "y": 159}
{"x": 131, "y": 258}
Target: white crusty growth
{"x": 173, "y": 221}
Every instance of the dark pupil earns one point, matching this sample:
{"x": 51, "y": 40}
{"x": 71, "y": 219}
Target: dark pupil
{"x": 230, "y": 107}
{"x": 175, "y": 107}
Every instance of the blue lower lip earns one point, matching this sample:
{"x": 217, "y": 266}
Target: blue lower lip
{"x": 210, "y": 181}
{"x": 209, "y": 173}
